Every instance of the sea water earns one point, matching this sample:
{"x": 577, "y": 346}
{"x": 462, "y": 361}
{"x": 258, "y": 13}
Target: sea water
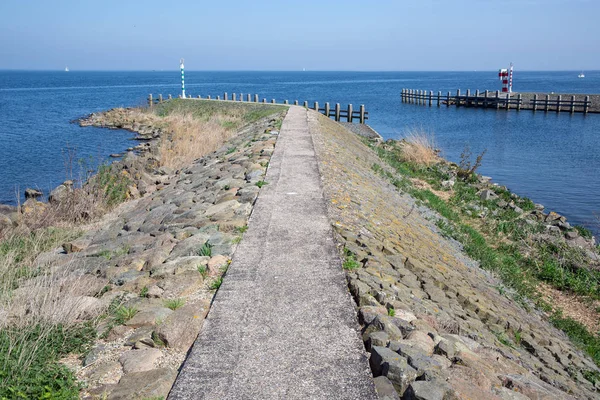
{"x": 552, "y": 158}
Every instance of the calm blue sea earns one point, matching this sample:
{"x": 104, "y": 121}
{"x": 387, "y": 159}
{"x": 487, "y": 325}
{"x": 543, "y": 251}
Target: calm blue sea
{"x": 553, "y": 159}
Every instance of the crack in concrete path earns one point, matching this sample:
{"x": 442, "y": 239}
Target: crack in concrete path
{"x": 282, "y": 325}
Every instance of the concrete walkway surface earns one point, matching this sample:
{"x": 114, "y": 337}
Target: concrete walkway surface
{"x": 282, "y": 325}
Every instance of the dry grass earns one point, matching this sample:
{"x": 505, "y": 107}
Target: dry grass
{"x": 191, "y": 138}
{"x": 418, "y": 147}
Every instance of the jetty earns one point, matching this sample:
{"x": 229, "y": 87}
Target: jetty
{"x": 336, "y": 111}
{"x": 547, "y": 102}
{"x": 282, "y": 325}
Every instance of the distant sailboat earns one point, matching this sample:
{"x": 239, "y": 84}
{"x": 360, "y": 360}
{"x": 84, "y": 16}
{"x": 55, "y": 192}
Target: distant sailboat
{"x": 66, "y": 69}
{"x": 304, "y": 69}
{"x": 581, "y": 75}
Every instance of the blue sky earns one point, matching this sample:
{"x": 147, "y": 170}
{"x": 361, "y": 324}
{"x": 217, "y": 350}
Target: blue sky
{"x": 382, "y": 35}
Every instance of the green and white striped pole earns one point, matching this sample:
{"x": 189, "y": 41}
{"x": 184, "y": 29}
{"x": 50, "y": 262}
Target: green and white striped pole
{"x": 182, "y": 79}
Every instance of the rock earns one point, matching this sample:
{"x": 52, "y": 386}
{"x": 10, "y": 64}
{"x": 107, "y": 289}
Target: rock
{"x": 532, "y": 387}
{"x": 385, "y": 362}
{"x": 149, "y": 317}
{"x": 445, "y": 348}
{"x": 488, "y": 195}
{"x": 422, "y": 340}
{"x": 76, "y": 245}
{"x": 385, "y": 389}
{"x": 507, "y": 394}
{"x": 141, "y": 334}
{"x": 139, "y": 360}
{"x": 155, "y": 383}
{"x": 384, "y": 323}
{"x": 180, "y": 329}
{"x": 33, "y": 193}
{"x": 426, "y": 390}
{"x": 571, "y": 235}
{"x": 378, "y": 338}
{"x": 217, "y": 262}
{"x": 155, "y": 292}
{"x": 94, "y": 354}
{"x": 60, "y": 193}
{"x": 448, "y": 184}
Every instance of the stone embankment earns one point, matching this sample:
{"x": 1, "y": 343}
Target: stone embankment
{"x": 153, "y": 265}
{"x": 432, "y": 320}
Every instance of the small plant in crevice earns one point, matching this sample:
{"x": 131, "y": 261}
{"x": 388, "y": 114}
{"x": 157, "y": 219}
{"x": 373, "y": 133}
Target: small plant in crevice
{"x": 216, "y": 283}
{"x": 144, "y": 292}
{"x": 124, "y": 314}
{"x": 260, "y": 184}
{"x": 391, "y": 312}
{"x": 242, "y": 229}
{"x": 205, "y": 250}
{"x": 174, "y": 304}
{"x": 350, "y": 262}
{"x": 203, "y": 270}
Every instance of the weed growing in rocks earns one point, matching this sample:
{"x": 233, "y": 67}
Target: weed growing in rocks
{"x": 350, "y": 262}
{"x": 242, "y": 229}
{"x": 124, "y": 314}
{"x": 205, "y": 250}
{"x": 466, "y": 168}
{"x": 203, "y": 271}
{"x": 174, "y": 304}
{"x": 215, "y": 284}
{"x": 144, "y": 292}
{"x": 260, "y": 184}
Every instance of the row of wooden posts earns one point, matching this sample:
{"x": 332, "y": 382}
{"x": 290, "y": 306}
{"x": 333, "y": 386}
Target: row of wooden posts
{"x": 336, "y": 111}
{"x": 497, "y": 100}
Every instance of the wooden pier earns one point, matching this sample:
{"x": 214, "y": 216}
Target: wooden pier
{"x": 572, "y": 103}
{"x": 338, "y": 113}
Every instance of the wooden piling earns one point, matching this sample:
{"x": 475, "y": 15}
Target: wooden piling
{"x": 439, "y": 97}
{"x": 218, "y": 97}
{"x": 242, "y": 97}
{"x": 558, "y": 104}
{"x": 547, "y": 101}
{"x": 256, "y": 98}
{"x": 349, "y": 112}
{"x": 448, "y": 100}
{"x": 295, "y": 102}
{"x": 362, "y": 114}
{"x": 507, "y": 105}
{"x": 160, "y": 99}
{"x": 535, "y": 102}
{"x": 457, "y": 97}
{"x": 316, "y": 108}
{"x": 264, "y": 100}
{"x": 467, "y": 97}
{"x": 497, "y": 99}
{"x": 272, "y": 101}
{"x": 199, "y": 96}
{"x": 305, "y": 105}
{"x": 150, "y": 102}
{"x": 519, "y": 101}
{"x": 286, "y": 102}
{"x": 337, "y": 112}
{"x": 572, "y": 104}
{"x": 485, "y": 98}
{"x": 430, "y": 97}
{"x": 477, "y": 98}
{"x": 327, "y": 110}
{"x": 170, "y": 97}
{"x": 233, "y": 96}
{"x": 208, "y": 97}
{"x": 585, "y": 104}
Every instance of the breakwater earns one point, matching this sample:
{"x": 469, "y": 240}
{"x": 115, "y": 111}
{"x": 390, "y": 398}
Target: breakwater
{"x": 336, "y": 111}
{"x": 571, "y": 103}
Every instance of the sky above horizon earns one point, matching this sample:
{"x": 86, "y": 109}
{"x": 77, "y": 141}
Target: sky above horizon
{"x": 387, "y": 35}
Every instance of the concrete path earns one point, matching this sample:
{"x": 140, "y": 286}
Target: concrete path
{"x": 282, "y": 325}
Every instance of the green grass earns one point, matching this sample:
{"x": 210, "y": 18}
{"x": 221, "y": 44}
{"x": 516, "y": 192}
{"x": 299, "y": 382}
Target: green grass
{"x": 350, "y": 262}
{"x": 144, "y": 292}
{"x": 174, "y": 304}
{"x": 559, "y": 265}
{"x": 123, "y": 314}
{"x": 205, "y": 250}
{"x": 260, "y": 184}
{"x": 242, "y": 229}
{"x": 114, "y": 184}
{"x": 583, "y": 231}
{"x": 203, "y": 271}
{"x": 204, "y": 109}
{"x": 29, "y": 367}
{"x": 215, "y": 284}
{"x": 391, "y": 312}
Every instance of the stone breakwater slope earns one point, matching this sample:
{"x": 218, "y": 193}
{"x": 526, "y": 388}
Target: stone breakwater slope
{"x": 155, "y": 263}
{"x": 282, "y": 325}
{"x": 444, "y": 337}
